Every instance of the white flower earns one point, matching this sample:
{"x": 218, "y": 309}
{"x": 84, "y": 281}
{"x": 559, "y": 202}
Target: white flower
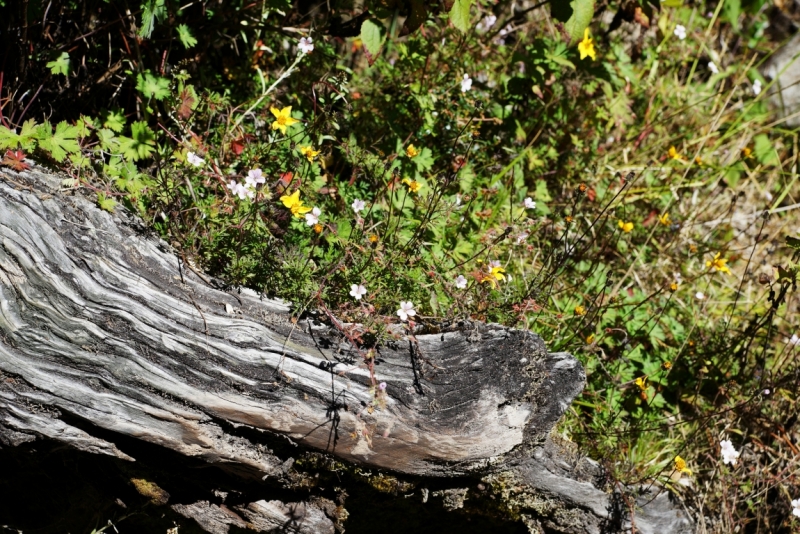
{"x": 254, "y": 177}
{"x": 406, "y": 310}
{"x": 680, "y": 32}
{"x": 794, "y": 340}
{"x": 194, "y": 159}
{"x": 699, "y": 295}
{"x": 239, "y": 190}
{"x": 461, "y": 282}
{"x": 713, "y": 67}
{"x": 729, "y": 454}
{"x": 757, "y": 87}
{"x": 530, "y": 204}
{"x": 357, "y": 291}
{"x": 796, "y": 507}
{"x": 306, "y": 45}
{"x": 313, "y": 217}
{"x": 522, "y": 237}
{"x": 358, "y": 205}
{"x": 493, "y": 264}
{"x": 466, "y": 83}
{"x": 486, "y": 23}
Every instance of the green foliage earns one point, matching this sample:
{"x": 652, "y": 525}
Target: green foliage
{"x": 60, "y": 65}
{"x": 576, "y": 17}
{"x": 61, "y": 142}
{"x": 185, "y": 36}
{"x": 140, "y": 145}
{"x": 152, "y": 86}
{"x": 371, "y": 35}
{"x": 459, "y": 15}
{"x": 152, "y": 11}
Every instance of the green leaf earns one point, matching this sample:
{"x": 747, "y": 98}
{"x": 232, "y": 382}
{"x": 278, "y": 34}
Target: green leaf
{"x": 764, "y": 151}
{"x": 61, "y": 142}
{"x": 114, "y": 120}
{"x": 423, "y": 160}
{"x": 459, "y": 15}
{"x": 151, "y": 10}
{"x": 576, "y": 17}
{"x": 141, "y": 143}
{"x": 60, "y": 65}
{"x": 185, "y": 36}
{"x": 152, "y": 86}
{"x": 371, "y": 36}
{"x": 8, "y": 138}
{"x": 106, "y": 203}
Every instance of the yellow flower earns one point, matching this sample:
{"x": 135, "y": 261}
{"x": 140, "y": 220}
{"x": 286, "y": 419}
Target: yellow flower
{"x": 411, "y": 151}
{"x": 625, "y": 226}
{"x": 718, "y": 264}
{"x": 674, "y": 154}
{"x": 586, "y": 47}
{"x": 318, "y": 228}
{"x": 680, "y": 466}
{"x": 373, "y": 238}
{"x": 580, "y": 310}
{"x": 283, "y": 118}
{"x": 698, "y": 160}
{"x": 664, "y": 219}
{"x": 494, "y": 275}
{"x": 667, "y": 365}
{"x": 413, "y": 185}
{"x": 641, "y": 382}
{"x": 673, "y": 286}
{"x": 590, "y": 339}
{"x": 309, "y": 152}
{"x": 747, "y": 153}
{"x": 294, "y": 204}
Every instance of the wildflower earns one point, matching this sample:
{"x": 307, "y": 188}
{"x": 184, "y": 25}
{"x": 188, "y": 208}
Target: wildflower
{"x": 486, "y": 23}
{"x": 796, "y": 507}
{"x": 495, "y": 273}
{"x": 747, "y": 153}
{"x": 757, "y": 87}
{"x": 413, "y": 185}
{"x": 673, "y": 286}
{"x": 718, "y": 264}
{"x": 667, "y": 365}
{"x": 466, "y": 83}
{"x": 373, "y": 238}
{"x": 411, "y": 151}
{"x": 698, "y": 160}
{"x": 382, "y": 386}
{"x": 358, "y": 205}
{"x": 254, "y": 177}
{"x": 318, "y": 228}
{"x": 406, "y": 310}
{"x": 794, "y": 340}
{"x": 641, "y": 383}
{"x": 680, "y": 466}
{"x": 664, "y": 219}
{"x": 680, "y": 32}
{"x": 313, "y": 217}
{"x": 590, "y": 339}
{"x": 283, "y": 118}
{"x": 357, "y": 291}
{"x": 586, "y": 47}
{"x": 306, "y": 45}
{"x": 674, "y": 154}
{"x": 529, "y": 203}
{"x": 522, "y": 237}
{"x": 713, "y": 67}
{"x": 625, "y": 226}
{"x": 294, "y": 204}
{"x": 568, "y": 218}
{"x": 309, "y": 152}
{"x": 580, "y": 310}
{"x": 729, "y": 454}
{"x": 194, "y": 159}
{"x": 699, "y": 295}
{"x": 461, "y": 282}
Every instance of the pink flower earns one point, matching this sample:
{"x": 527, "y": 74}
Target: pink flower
{"x": 406, "y": 310}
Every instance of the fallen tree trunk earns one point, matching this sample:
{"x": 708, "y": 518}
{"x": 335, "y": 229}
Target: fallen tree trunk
{"x": 102, "y": 324}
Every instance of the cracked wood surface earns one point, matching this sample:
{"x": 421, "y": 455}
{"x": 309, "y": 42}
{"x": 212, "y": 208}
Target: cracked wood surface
{"x": 100, "y": 326}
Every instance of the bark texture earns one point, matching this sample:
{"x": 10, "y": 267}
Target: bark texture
{"x": 100, "y": 323}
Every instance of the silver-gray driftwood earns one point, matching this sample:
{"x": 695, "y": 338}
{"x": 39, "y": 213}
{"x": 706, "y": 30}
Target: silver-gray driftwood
{"x": 99, "y": 322}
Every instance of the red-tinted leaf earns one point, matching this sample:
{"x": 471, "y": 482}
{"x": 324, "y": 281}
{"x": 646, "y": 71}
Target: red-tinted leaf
{"x": 14, "y": 159}
{"x": 186, "y": 105}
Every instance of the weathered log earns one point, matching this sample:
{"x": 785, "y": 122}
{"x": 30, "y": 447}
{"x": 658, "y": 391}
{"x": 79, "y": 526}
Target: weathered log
{"x": 100, "y": 322}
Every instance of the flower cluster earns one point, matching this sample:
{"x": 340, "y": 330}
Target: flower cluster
{"x": 248, "y": 189}
{"x": 729, "y": 454}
